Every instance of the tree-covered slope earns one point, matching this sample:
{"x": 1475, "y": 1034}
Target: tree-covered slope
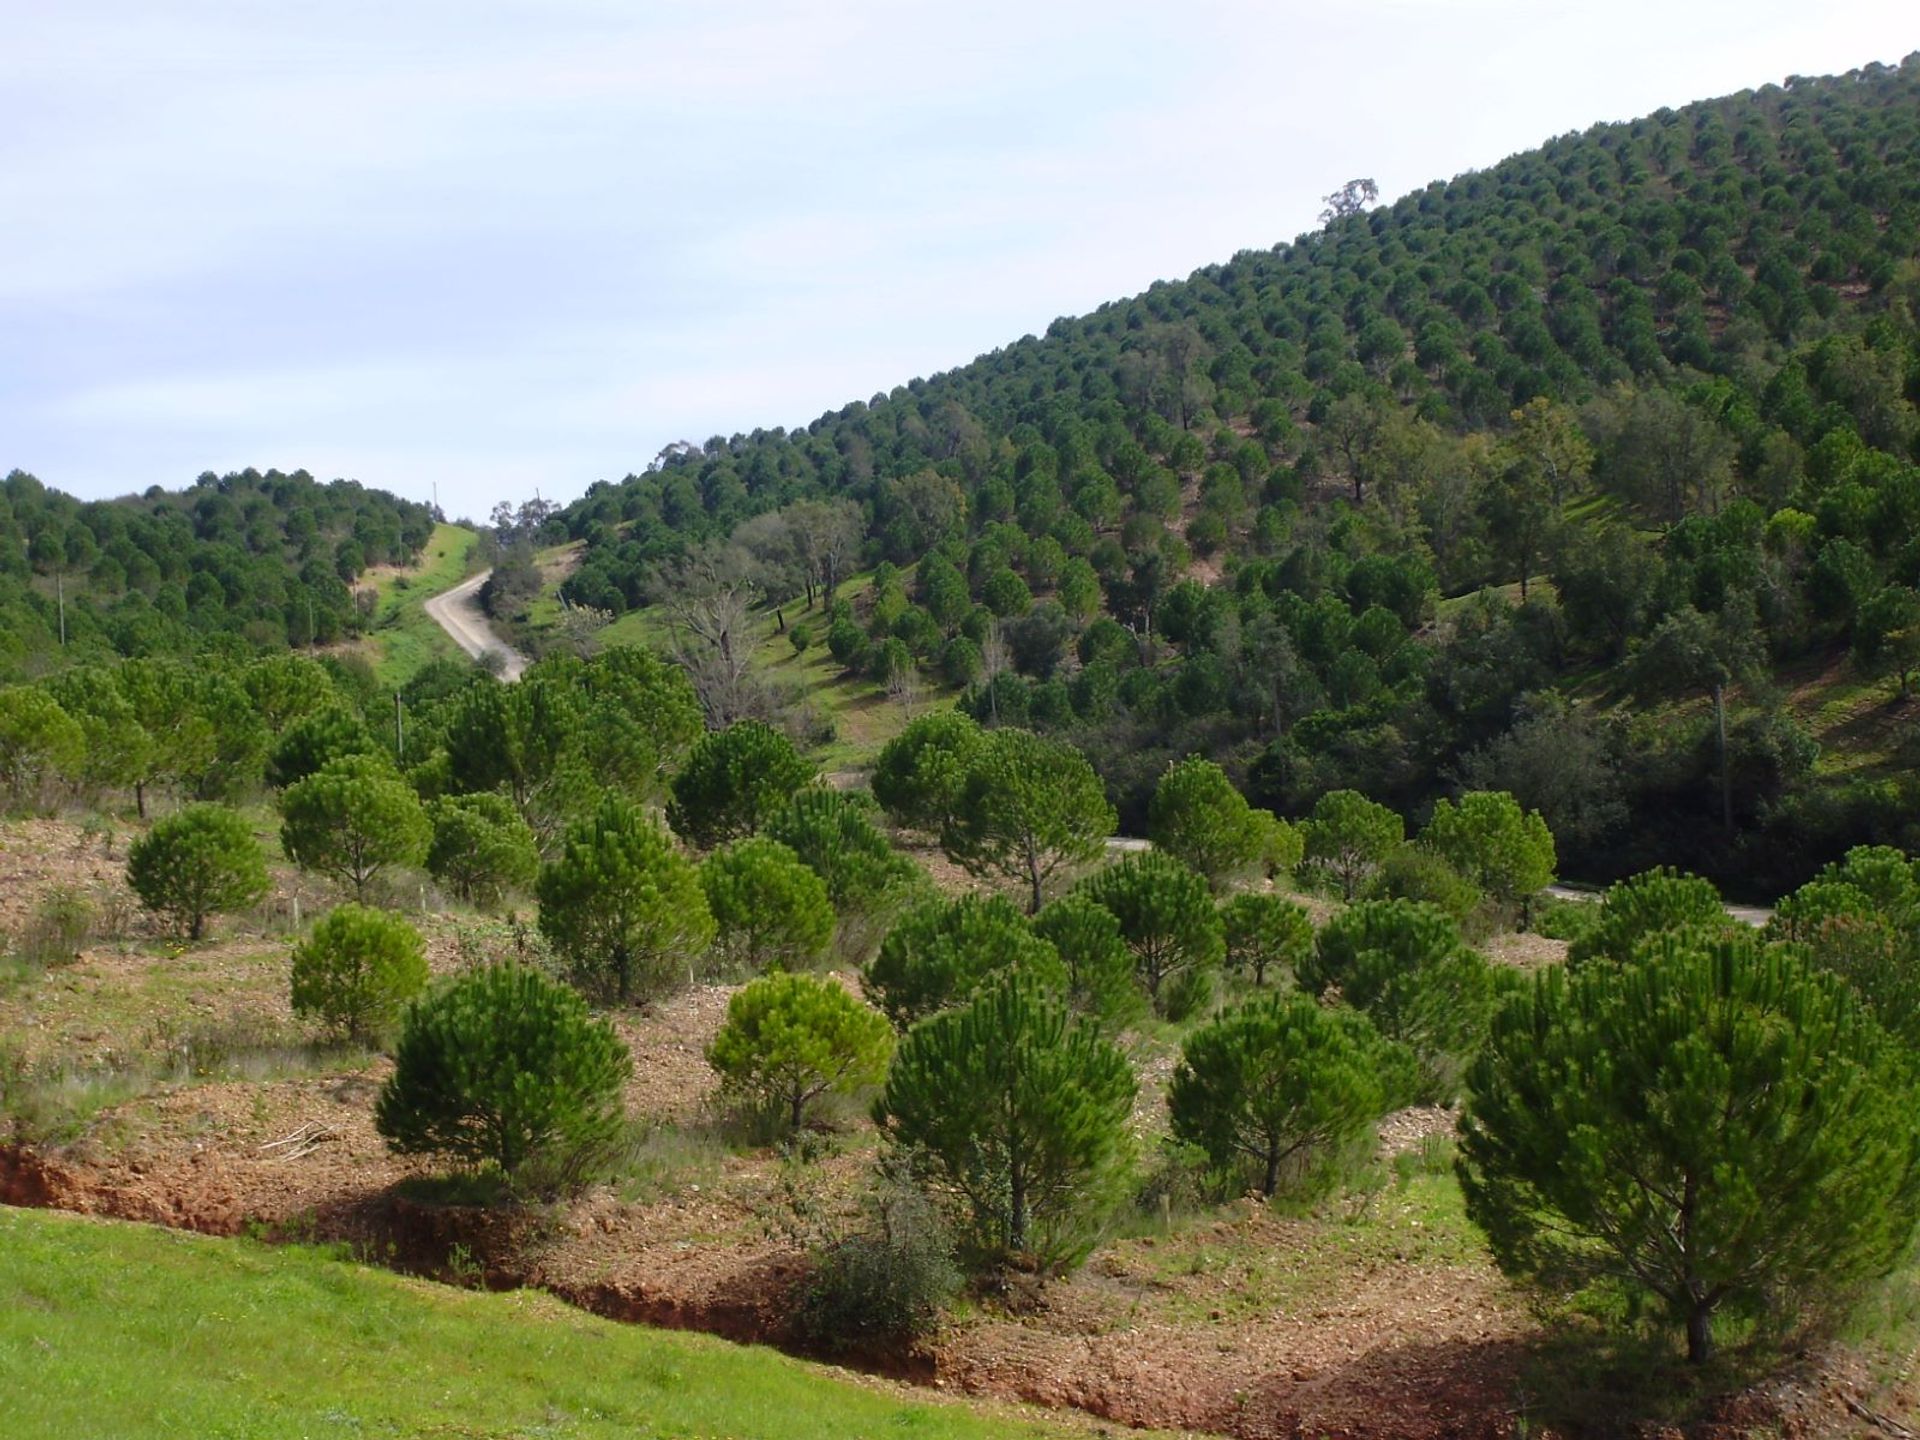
{"x": 1421, "y": 498}
{"x": 244, "y": 562}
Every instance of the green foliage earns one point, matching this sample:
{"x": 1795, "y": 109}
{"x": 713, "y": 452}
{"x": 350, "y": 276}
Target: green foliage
{"x": 732, "y": 782}
{"x": 886, "y": 1283}
{"x": 1028, "y": 807}
{"x": 357, "y": 971}
{"x": 1279, "y": 1084}
{"x": 1651, "y": 903}
{"x": 1406, "y": 967}
{"x": 1349, "y": 837}
{"x": 313, "y": 740}
{"x": 941, "y": 951}
{"x": 506, "y": 1068}
{"x": 920, "y": 773}
{"x": 1413, "y": 872}
{"x": 1860, "y": 919}
{"x": 1165, "y": 913}
{"x": 1098, "y": 963}
{"x": 481, "y": 848}
{"x": 770, "y": 909}
{"x": 1488, "y": 838}
{"x": 790, "y": 1039}
{"x": 569, "y": 730}
{"x": 1200, "y": 819}
{"x": 623, "y": 906}
{"x": 38, "y": 740}
{"x": 1039, "y": 1151}
{"x": 1265, "y": 933}
{"x": 199, "y": 863}
{"x": 835, "y": 837}
{"x": 351, "y": 819}
{"x": 1708, "y": 1124}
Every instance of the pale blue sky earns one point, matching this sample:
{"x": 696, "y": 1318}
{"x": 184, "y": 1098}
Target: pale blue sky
{"x": 501, "y": 247}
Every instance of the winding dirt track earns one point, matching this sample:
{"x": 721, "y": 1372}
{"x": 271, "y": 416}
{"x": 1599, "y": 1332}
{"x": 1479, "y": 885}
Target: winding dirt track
{"x": 457, "y": 611}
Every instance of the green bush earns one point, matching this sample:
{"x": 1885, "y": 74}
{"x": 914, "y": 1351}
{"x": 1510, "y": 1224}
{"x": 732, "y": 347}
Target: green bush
{"x": 201, "y": 862}
{"x": 508, "y": 1069}
{"x": 940, "y": 951}
{"x": 769, "y": 909}
{"x": 732, "y": 782}
{"x": 790, "y": 1039}
{"x": 358, "y": 970}
{"x": 886, "y": 1283}
{"x": 1279, "y": 1088}
{"x": 482, "y": 847}
{"x": 1651, "y": 903}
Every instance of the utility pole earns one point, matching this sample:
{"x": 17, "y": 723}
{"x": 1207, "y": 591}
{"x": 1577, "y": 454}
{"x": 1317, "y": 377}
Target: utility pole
{"x": 60, "y": 592}
{"x": 399, "y": 730}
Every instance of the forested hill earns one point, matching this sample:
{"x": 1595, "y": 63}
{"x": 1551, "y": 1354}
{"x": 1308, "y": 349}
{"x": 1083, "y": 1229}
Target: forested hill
{"x": 1425, "y": 497}
{"x": 238, "y": 563}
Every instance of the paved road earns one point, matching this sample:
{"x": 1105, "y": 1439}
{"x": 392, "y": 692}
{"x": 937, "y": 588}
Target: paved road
{"x": 457, "y": 611}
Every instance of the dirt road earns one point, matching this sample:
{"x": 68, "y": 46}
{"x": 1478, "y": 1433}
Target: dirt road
{"x": 457, "y": 611}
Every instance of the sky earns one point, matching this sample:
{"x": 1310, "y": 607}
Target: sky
{"x": 477, "y": 250}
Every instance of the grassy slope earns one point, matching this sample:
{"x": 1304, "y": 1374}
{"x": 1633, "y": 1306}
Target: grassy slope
{"x": 121, "y": 1330}
{"x": 405, "y": 640}
{"x": 864, "y": 717}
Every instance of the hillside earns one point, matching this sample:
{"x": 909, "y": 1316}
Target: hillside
{"x": 240, "y": 564}
{"x": 1510, "y": 482}
{"x": 302, "y": 1342}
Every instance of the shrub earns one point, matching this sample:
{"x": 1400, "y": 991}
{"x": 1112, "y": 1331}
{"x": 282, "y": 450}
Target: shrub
{"x": 201, "y": 862}
{"x": 358, "y": 970}
{"x": 1406, "y": 966}
{"x": 622, "y": 905}
{"x": 1018, "y": 1112}
{"x": 1198, "y": 817}
{"x": 507, "y": 1068}
{"x": 353, "y": 818}
{"x": 941, "y": 950}
{"x": 1709, "y": 1125}
{"x": 481, "y": 848}
{"x": 884, "y": 1284}
{"x": 1650, "y": 903}
{"x": 791, "y": 1038}
{"x": 732, "y": 782}
{"x": 1415, "y": 873}
{"x": 1166, "y": 916}
{"x": 1281, "y": 1084}
{"x": 835, "y": 837}
{"x": 1504, "y": 850}
{"x": 1265, "y": 932}
{"x": 769, "y": 909}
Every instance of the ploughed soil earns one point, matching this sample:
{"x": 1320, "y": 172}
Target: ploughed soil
{"x": 1378, "y": 1315}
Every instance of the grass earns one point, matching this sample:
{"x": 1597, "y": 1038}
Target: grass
{"x": 405, "y": 639}
{"x": 864, "y": 717}
{"x": 121, "y": 1330}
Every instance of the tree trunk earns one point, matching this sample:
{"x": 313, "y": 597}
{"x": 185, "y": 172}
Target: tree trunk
{"x": 1272, "y": 1182}
{"x": 1033, "y": 874}
{"x": 1699, "y": 1333}
{"x": 799, "y": 1102}
{"x": 1017, "y": 1211}
{"x": 140, "y": 797}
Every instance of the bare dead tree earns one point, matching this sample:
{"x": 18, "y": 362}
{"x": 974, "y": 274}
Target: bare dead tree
{"x": 707, "y": 597}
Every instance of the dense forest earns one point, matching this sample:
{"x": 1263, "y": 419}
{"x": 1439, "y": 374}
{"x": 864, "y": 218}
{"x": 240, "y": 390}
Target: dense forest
{"x": 243, "y": 563}
{"x": 1456, "y": 493}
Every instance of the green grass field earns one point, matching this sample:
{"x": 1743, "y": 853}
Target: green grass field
{"x": 405, "y": 639}
{"x": 126, "y": 1331}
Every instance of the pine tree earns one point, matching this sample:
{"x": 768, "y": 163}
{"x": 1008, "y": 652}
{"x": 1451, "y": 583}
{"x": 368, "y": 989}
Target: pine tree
{"x": 1708, "y": 1123}
{"x": 1018, "y": 1111}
